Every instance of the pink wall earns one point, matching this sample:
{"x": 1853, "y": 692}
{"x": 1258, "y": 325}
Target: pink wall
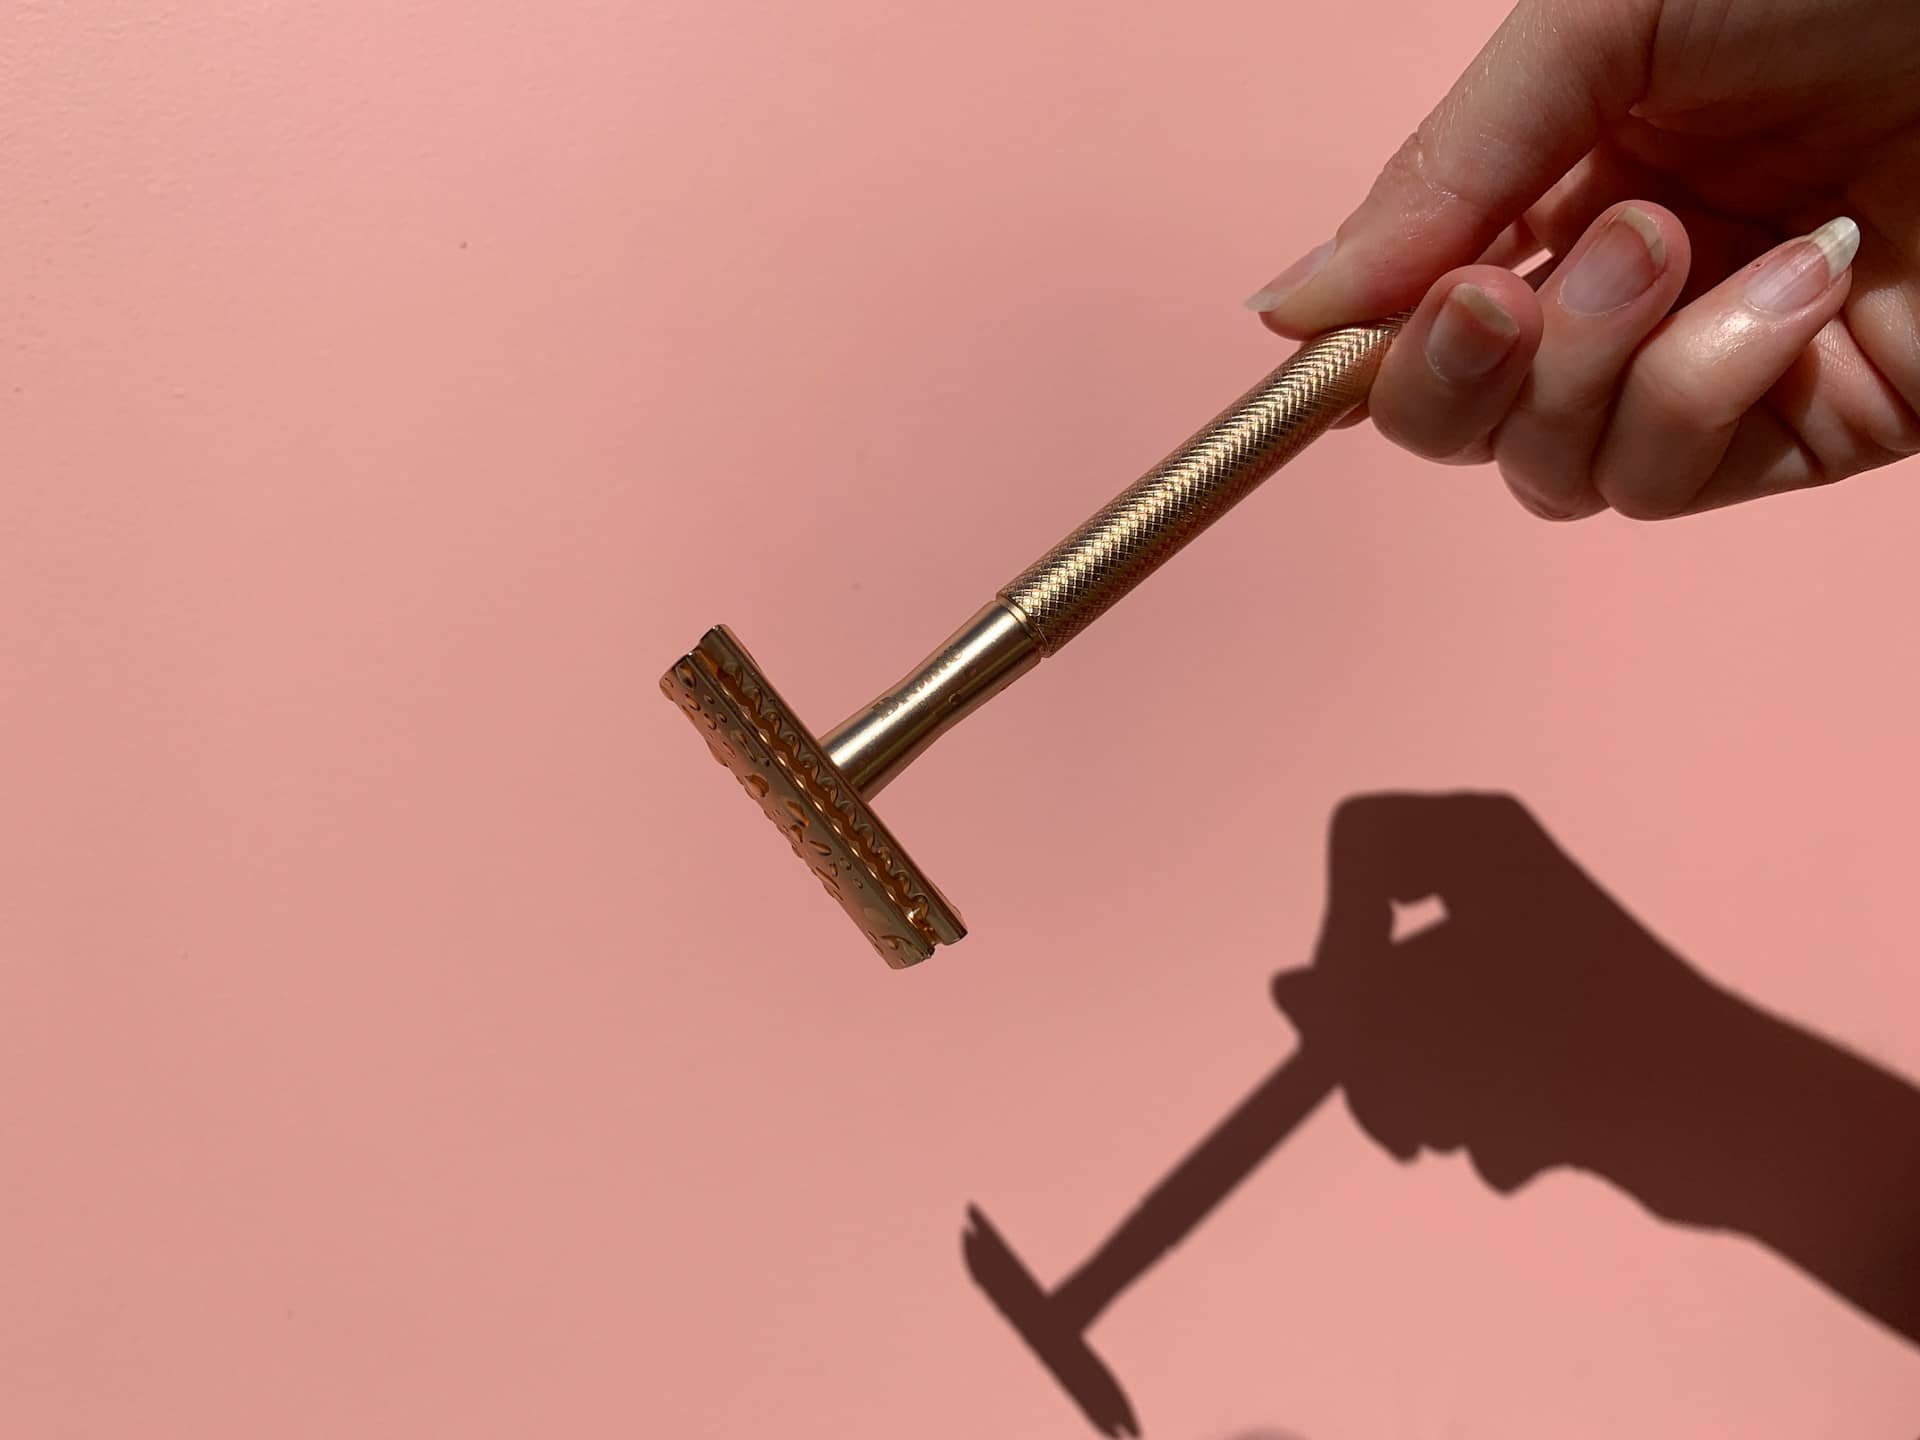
{"x": 408, "y": 1032}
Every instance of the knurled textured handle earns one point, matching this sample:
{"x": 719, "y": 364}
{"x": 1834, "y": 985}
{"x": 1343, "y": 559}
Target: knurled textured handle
{"x": 1075, "y": 583}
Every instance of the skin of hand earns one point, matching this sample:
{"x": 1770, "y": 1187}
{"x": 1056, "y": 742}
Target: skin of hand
{"x": 1730, "y": 191}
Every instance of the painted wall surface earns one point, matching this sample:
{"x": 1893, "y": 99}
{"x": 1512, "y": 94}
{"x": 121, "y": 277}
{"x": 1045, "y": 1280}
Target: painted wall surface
{"x": 405, "y": 1030}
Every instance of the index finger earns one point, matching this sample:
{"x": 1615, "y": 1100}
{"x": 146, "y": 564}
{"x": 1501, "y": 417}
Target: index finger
{"x": 1532, "y": 103}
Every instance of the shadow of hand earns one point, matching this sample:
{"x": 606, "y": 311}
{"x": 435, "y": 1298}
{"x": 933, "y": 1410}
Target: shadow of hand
{"x": 1540, "y": 1025}
{"x": 1514, "y": 1026}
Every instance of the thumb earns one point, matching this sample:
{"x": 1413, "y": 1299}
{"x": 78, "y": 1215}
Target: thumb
{"x": 1535, "y": 100}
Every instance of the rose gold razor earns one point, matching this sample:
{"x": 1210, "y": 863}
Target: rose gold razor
{"x": 818, "y": 790}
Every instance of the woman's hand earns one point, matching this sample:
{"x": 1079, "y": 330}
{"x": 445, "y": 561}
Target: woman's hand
{"x": 1731, "y": 193}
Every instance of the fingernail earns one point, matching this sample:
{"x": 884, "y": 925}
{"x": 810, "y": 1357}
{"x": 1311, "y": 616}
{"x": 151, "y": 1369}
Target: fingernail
{"x": 1801, "y": 271}
{"x": 1470, "y": 336}
{"x": 1626, "y": 257}
{"x": 1290, "y": 279}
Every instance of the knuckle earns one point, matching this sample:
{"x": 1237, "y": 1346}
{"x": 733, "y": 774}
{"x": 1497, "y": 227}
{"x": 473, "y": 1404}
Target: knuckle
{"x": 1892, "y": 428}
{"x": 1582, "y": 397}
{"x": 1671, "y": 399}
{"x": 1414, "y": 180}
{"x": 1356, "y": 816}
{"x": 1503, "y": 814}
{"x": 1645, "y": 505}
{"x": 1553, "y": 487}
{"x": 1675, "y": 393}
{"x": 1417, "y": 430}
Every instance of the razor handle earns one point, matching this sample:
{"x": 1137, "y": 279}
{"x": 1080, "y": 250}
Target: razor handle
{"x": 1143, "y": 527}
{"x": 818, "y": 791}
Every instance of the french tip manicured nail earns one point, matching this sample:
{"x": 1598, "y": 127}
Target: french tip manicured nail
{"x": 1276, "y": 291}
{"x": 1620, "y": 266}
{"x": 1487, "y": 310}
{"x": 1839, "y": 241}
{"x": 1801, "y": 271}
{"x": 1470, "y": 336}
{"x": 1648, "y": 229}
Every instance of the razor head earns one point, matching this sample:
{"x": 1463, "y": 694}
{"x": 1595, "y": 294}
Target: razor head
{"x": 754, "y": 733}
{"x": 1055, "y": 1335}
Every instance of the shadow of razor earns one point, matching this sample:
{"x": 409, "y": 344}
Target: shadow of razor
{"x": 1054, "y": 1322}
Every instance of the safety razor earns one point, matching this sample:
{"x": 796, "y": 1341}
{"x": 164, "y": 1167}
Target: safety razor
{"x": 819, "y": 790}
